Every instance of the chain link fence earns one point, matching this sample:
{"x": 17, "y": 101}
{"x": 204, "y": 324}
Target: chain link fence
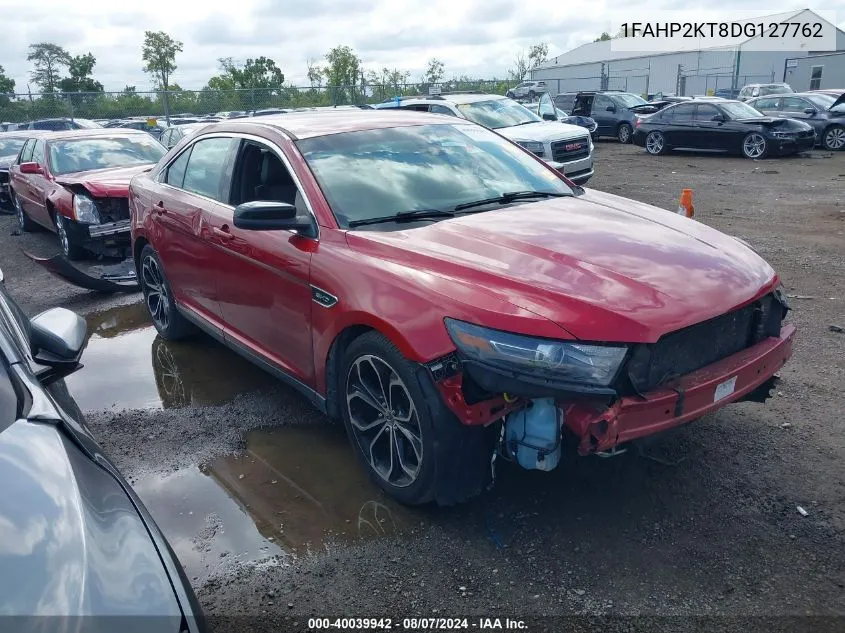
{"x": 18, "y": 108}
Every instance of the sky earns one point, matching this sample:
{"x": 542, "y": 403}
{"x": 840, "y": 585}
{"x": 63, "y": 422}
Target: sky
{"x": 479, "y": 38}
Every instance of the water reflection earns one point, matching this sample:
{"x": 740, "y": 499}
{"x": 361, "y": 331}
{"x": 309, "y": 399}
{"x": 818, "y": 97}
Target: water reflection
{"x": 293, "y": 490}
{"x": 128, "y": 364}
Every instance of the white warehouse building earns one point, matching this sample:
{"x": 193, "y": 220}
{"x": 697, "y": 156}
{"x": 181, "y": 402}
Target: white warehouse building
{"x": 697, "y": 71}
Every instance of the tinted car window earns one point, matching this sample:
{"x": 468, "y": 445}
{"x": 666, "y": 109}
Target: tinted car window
{"x": 419, "y": 167}
{"x": 85, "y": 154}
{"x": 565, "y": 102}
{"x": 601, "y": 103}
{"x": 26, "y": 154}
{"x": 766, "y": 103}
{"x": 683, "y": 112}
{"x": 38, "y": 152}
{"x": 738, "y": 110}
{"x": 706, "y": 112}
{"x": 439, "y": 109}
{"x": 794, "y": 104}
{"x": 176, "y": 172}
{"x": 206, "y": 170}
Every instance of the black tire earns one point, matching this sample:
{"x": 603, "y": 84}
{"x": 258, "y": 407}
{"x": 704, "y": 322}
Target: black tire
{"x": 833, "y": 138}
{"x": 24, "y": 221}
{"x": 158, "y": 298}
{"x": 444, "y": 461}
{"x": 532, "y": 95}
{"x": 755, "y": 146}
{"x": 624, "y": 133}
{"x": 509, "y": 94}
{"x": 67, "y": 242}
{"x": 655, "y": 143}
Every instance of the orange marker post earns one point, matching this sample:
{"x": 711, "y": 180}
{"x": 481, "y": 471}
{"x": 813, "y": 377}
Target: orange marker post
{"x": 685, "y": 206}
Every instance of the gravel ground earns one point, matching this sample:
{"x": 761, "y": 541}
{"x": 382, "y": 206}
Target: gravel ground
{"x": 700, "y": 533}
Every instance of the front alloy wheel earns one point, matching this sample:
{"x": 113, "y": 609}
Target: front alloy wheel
{"x": 70, "y": 249}
{"x": 655, "y": 143}
{"x": 159, "y": 299}
{"x": 834, "y": 138}
{"x": 384, "y": 421}
{"x": 624, "y": 133}
{"x": 754, "y": 145}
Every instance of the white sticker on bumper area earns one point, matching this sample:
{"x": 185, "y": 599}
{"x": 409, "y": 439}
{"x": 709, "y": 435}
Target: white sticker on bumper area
{"x": 724, "y": 389}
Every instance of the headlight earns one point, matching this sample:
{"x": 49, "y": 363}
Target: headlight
{"x": 535, "y": 147}
{"x": 85, "y": 210}
{"x": 548, "y": 359}
{"x": 783, "y": 134}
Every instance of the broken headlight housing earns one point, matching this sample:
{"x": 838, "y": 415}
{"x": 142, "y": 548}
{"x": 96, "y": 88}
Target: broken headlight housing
{"x": 85, "y": 210}
{"x": 549, "y": 359}
{"x": 535, "y": 147}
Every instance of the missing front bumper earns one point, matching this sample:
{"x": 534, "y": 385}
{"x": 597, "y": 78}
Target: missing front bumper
{"x": 118, "y": 277}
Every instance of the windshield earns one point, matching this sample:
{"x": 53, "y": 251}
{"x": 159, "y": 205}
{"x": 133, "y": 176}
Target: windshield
{"x": 377, "y": 173}
{"x": 9, "y": 146}
{"x": 821, "y": 101}
{"x": 774, "y": 90}
{"x": 629, "y": 100}
{"x": 739, "y": 110}
{"x": 498, "y": 113}
{"x": 85, "y": 154}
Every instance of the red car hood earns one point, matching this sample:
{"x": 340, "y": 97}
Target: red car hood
{"x": 604, "y": 268}
{"x": 105, "y": 183}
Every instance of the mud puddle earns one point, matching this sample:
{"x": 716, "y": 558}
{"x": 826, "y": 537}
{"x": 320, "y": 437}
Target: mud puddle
{"x": 128, "y": 365}
{"x": 292, "y": 491}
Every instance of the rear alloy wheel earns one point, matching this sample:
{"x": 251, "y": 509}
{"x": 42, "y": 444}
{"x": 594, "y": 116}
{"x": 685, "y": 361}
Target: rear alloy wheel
{"x": 70, "y": 248}
{"x": 532, "y": 95}
{"x": 754, "y": 145}
{"x": 23, "y": 219}
{"x": 159, "y": 299}
{"x": 411, "y": 445}
{"x": 655, "y": 143}
{"x": 624, "y": 133}
{"x": 834, "y": 138}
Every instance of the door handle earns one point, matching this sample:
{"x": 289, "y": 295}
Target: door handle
{"x": 222, "y": 232}
{"x": 159, "y": 208}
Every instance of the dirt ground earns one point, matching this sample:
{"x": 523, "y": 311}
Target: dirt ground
{"x": 701, "y": 533}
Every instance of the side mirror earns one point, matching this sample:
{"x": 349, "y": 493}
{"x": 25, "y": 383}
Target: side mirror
{"x": 718, "y": 117}
{"x": 31, "y": 168}
{"x": 809, "y": 110}
{"x": 549, "y": 116}
{"x": 611, "y": 108}
{"x": 269, "y": 216}
{"x": 57, "y": 337}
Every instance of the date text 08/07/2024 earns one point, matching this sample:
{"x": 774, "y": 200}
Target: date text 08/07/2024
{"x": 417, "y": 624}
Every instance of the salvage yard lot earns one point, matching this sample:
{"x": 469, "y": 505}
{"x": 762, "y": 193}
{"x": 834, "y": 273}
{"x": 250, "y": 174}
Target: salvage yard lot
{"x": 706, "y": 523}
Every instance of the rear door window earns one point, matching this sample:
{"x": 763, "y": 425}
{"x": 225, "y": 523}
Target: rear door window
{"x": 683, "y": 113}
{"x": 206, "y": 172}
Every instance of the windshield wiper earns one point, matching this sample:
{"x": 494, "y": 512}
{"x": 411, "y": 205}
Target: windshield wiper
{"x": 524, "y": 123}
{"x": 404, "y": 216}
{"x": 511, "y": 196}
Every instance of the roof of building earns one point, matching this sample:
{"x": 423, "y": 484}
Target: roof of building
{"x": 597, "y": 52}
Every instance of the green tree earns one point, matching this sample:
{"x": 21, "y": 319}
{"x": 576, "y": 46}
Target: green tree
{"x": 159, "y": 55}
{"x": 537, "y": 55}
{"x": 255, "y": 73}
{"x": 342, "y": 72}
{"x": 603, "y": 37}
{"x": 434, "y": 71}
{"x": 80, "y": 70}
{"x": 315, "y": 74}
{"x": 520, "y": 67}
{"x": 48, "y": 60}
{"x": 7, "y": 84}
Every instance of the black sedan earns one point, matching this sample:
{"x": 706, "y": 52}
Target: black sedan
{"x": 727, "y": 126}
{"x": 75, "y": 540}
{"x": 825, "y": 112}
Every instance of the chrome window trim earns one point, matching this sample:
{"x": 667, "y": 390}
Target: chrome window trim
{"x": 250, "y": 137}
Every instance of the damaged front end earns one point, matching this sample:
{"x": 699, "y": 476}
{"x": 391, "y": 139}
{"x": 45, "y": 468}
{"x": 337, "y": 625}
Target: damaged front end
{"x": 606, "y": 395}
{"x": 99, "y": 224}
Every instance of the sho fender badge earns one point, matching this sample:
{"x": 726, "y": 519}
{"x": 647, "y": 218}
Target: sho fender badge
{"x": 320, "y": 296}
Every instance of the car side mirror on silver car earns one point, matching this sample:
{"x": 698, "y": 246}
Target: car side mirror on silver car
{"x": 57, "y": 337}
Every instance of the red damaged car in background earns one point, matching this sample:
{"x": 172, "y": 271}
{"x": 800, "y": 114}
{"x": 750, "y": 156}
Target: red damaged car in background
{"x": 76, "y": 183}
{"x": 449, "y": 296}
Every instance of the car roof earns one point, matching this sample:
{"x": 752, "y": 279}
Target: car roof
{"x": 107, "y": 132}
{"x": 302, "y": 125}
{"x": 25, "y": 133}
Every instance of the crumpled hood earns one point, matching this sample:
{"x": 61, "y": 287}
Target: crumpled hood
{"x": 105, "y": 182}
{"x": 603, "y": 267}
{"x": 6, "y": 161}
{"x": 71, "y": 541}
{"x": 771, "y": 121}
{"x": 545, "y": 131}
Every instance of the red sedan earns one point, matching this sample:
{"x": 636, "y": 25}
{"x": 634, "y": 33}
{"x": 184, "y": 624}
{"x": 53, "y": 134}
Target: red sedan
{"x": 447, "y": 295}
{"x": 76, "y": 183}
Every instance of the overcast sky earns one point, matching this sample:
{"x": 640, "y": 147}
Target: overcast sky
{"x": 475, "y": 37}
